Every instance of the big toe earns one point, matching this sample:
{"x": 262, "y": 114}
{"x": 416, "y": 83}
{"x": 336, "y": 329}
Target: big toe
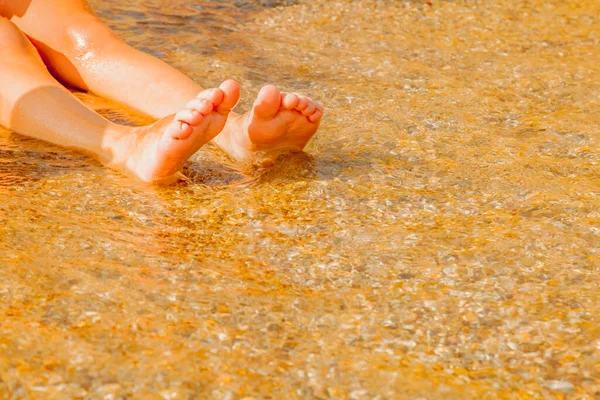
{"x": 268, "y": 102}
{"x": 231, "y": 91}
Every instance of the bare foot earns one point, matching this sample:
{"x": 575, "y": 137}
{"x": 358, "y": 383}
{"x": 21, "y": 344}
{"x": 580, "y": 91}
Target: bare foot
{"x": 278, "y": 122}
{"x": 158, "y": 152}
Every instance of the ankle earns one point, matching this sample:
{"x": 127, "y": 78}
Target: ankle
{"x": 224, "y": 137}
{"x": 117, "y": 144}
{"x": 228, "y": 139}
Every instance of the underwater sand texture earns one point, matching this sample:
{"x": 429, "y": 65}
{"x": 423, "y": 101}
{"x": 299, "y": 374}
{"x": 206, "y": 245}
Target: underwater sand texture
{"x": 439, "y": 240}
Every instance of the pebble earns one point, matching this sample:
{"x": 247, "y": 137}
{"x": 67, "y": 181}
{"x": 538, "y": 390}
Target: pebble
{"x": 560, "y": 386}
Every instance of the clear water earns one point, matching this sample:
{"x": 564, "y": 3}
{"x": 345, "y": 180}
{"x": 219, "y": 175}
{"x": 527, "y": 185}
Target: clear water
{"x": 440, "y": 238}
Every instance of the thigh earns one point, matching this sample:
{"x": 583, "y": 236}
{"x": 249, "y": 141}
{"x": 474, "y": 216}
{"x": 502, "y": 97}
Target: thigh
{"x": 42, "y": 17}
{"x": 21, "y": 9}
{"x": 57, "y": 28}
{"x": 13, "y": 42}
{"x": 7, "y": 8}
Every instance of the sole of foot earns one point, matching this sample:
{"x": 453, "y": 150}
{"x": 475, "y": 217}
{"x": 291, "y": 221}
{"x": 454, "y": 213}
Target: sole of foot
{"x": 157, "y": 153}
{"x": 278, "y": 122}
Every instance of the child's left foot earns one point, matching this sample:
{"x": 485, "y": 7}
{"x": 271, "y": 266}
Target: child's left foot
{"x": 277, "y": 122}
{"x": 156, "y": 153}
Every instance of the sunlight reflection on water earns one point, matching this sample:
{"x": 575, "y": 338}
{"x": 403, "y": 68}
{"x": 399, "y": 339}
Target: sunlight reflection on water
{"x": 440, "y": 239}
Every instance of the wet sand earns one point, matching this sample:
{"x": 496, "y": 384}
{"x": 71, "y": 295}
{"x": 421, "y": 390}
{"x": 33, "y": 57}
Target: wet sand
{"x": 440, "y": 239}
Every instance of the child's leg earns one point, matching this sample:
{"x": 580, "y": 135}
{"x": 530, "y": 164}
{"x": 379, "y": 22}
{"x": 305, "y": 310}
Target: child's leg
{"x": 34, "y": 104}
{"x": 85, "y": 53}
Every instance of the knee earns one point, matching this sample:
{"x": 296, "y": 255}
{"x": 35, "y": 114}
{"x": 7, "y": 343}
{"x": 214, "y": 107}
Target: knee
{"x": 87, "y": 36}
{"x": 10, "y": 35}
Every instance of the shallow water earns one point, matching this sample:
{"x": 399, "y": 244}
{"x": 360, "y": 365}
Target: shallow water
{"x": 440, "y": 238}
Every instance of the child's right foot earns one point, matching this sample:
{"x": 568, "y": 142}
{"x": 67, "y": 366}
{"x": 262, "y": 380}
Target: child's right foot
{"x": 277, "y": 122}
{"x": 156, "y": 153}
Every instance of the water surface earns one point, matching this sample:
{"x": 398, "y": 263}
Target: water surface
{"x": 440, "y": 238}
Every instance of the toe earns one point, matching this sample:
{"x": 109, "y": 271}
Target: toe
{"x": 302, "y": 103}
{"x": 268, "y": 102}
{"x": 189, "y": 116}
{"x": 200, "y": 105}
{"x": 178, "y": 130}
{"x": 231, "y": 95}
{"x": 214, "y": 95}
{"x": 310, "y": 109}
{"x": 289, "y": 101}
{"x": 316, "y": 116}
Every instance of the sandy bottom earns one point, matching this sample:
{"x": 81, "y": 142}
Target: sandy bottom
{"x": 440, "y": 239}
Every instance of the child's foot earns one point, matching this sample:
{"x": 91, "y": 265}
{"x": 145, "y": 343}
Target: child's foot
{"x": 159, "y": 151}
{"x": 278, "y": 121}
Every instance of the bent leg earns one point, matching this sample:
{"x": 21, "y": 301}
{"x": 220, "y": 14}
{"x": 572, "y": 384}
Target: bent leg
{"x": 86, "y": 54}
{"x": 33, "y": 103}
